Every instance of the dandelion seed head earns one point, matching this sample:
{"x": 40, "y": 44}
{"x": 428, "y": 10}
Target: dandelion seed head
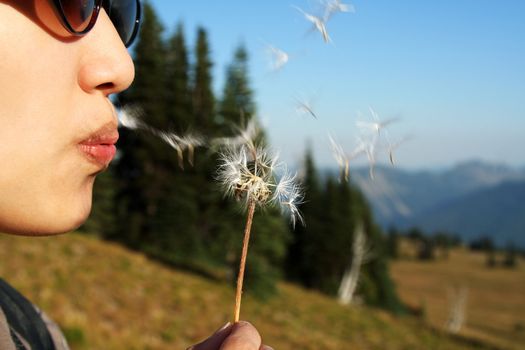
{"x": 250, "y": 175}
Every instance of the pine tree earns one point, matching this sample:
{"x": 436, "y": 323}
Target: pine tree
{"x": 174, "y": 222}
{"x": 299, "y": 255}
{"x": 322, "y": 251}
{"x": 237, "y": 106}
{"x": 377, "y": 288}
{"x": 392, "y": 243}
{"x": 178, "y": 93}
{"x": 142, "y": 166}
{"x": 208, "y": 198}
{"x": 203, "y": 101}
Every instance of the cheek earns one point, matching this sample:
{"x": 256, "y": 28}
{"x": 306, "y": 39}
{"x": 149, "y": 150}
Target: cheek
{"x": 45, "y": 185}
{"x": 43, "y": 192}
{"x": 40, "y": 205}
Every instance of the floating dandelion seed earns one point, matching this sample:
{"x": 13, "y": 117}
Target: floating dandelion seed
{"x": 368, "y": 144}
{"x": 305, "y": 107}
{"x": 376, "y": 125}
{"x": 393, "y": 146}
{"x": 369, "y": 140}
{"x": 365, "y": 147}
{"x": 130, "y": 118}
{"x": 244, "y": 136}
{"x": 278, "y": 58}
{"x": 333, "y": 6}
{"x": 183, "y": 143}
{"x": 250, "y": 174}
{"x": 341, "y": 158}
{"x": 317, "y": 24}
{"x": 288, "y": 194}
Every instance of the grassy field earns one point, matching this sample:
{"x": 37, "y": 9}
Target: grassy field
{"x": 495, "y": 307}
{"x": 106, "y": 297}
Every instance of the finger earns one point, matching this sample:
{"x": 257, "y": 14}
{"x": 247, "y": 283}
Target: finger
{"x": 215, "y": 341}
{"x": 243, "y": 336}
{"x": 265, "y": 347}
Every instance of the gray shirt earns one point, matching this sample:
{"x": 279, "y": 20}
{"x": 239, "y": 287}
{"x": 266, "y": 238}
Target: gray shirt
{"x": 8, "y": 335}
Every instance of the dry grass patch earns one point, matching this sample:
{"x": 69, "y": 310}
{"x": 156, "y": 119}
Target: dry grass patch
{"x": 106, "y": 297}
{"x": 496, "y": 296}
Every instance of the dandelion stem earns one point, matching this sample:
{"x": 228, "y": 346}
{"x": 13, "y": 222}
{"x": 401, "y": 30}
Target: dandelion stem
{"x": 240, "y": 277}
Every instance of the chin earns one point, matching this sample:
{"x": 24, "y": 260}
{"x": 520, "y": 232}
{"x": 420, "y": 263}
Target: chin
{"x": 54, "y": 216}
{"x": 70, "y": 218}
{"x": 52, "y": 226}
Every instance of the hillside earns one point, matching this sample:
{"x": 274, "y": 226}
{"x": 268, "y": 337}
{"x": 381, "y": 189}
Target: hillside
{"x": 106, "y": 297}
{"x": 495, "y": 297}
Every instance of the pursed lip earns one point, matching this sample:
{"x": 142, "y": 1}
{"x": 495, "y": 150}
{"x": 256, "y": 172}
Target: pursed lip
{"x": 99, "y": 147}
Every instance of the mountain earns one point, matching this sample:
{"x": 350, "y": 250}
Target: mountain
{"x": 498, "y": 212}
{"x": 406, "y": 198}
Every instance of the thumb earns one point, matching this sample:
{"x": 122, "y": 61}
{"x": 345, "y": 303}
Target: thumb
{"x": 215, "y": 340}
{"x": 243, "y": 336}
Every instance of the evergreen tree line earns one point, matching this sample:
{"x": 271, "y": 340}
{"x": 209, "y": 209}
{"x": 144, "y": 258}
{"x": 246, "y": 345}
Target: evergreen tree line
{"x": 321, "y": 251}
{"x": 428, "y": 246}
{"x": 508, "y": 257}
{"x": 438, "y": 245}
{"x": 148, "y": 202}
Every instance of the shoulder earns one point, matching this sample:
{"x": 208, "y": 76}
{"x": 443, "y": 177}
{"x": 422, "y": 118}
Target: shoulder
{"x": 54, "y": 331}
{"x": 6, "y": 337}
{"x": 25, "y": 327}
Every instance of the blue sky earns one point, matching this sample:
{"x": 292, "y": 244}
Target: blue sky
{"x": 453, "y": 71}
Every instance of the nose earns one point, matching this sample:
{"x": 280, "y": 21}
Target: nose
{"x": 106, "y": 65}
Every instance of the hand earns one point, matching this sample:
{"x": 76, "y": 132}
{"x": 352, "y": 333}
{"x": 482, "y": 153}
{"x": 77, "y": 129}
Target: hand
{"x": 240, "y": 336}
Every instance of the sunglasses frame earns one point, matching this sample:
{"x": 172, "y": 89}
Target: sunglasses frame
{"x": 98, "y": 5}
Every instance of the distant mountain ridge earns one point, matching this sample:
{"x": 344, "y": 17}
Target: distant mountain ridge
{"x": 472, "y": 198}
{"x": 498, "y": 211}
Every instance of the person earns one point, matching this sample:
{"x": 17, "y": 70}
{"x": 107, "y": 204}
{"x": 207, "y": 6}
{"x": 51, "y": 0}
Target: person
{"x": 60, "y": 60}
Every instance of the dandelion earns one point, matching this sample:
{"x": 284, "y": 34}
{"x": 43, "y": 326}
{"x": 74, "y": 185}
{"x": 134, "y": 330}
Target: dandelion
{"x": 250, "y": 174}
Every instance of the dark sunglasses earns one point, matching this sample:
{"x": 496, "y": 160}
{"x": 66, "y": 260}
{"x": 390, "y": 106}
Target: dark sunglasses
{"x": 79, "y": 16}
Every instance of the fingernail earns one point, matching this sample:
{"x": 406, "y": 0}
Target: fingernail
{"x": 266, "y": 347}
{"x": 228, "y": 324}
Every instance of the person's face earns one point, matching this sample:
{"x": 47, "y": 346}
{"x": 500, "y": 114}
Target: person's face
{"x": 53, "y": 98}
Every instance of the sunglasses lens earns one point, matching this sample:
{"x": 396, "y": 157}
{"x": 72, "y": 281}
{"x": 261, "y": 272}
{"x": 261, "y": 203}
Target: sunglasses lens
{"x": 78, "y": 13}
{"x": 124, "y": 15}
